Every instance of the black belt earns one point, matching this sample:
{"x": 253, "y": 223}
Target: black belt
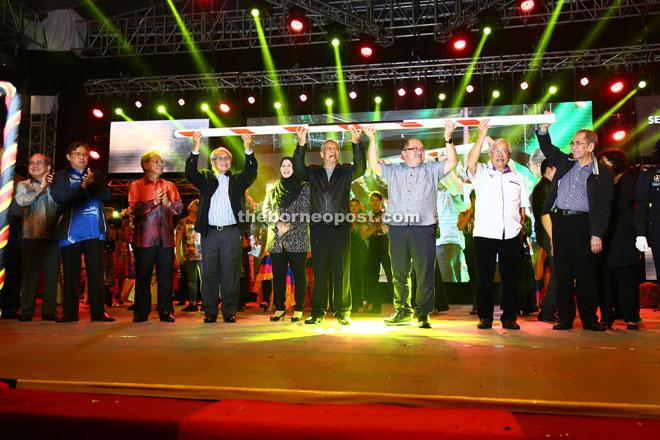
{"x": 220, "y": 228}
{"x": 568, "y": 212}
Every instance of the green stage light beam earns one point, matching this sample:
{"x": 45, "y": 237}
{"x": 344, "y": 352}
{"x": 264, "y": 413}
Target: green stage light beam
{"x": 467, "y": 77}
{"x": 599, "y": 27}
{"x": 341, "y": 84}
{"x": 125, "y": 116}
{"x": 377, "y": 100}
{"x": 198, "y": 57}
{"x": 234, "y": 141}
{"x": 601, "y": 120}
{"x": 270, "y": 65}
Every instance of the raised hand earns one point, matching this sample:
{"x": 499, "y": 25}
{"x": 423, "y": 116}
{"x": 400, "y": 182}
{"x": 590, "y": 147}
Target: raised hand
{"x": 356, "y": 134}
{"x": 247, "y": 141}
{"x": 370, "y": 132}
{"x": 484, "y": 126}
{"x": 301, "y": 133}
{"x": 450, "y": 126}
{"x": 544, "y": 127}
{"x": 88, "y": 179}
{"x": 197, "y": 140}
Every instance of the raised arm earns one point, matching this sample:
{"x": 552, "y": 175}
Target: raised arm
{"x": 452, "y": 158}
{"x": 192, "y": 173}
{"x": 473, "y": 155}
{"x": 249, "y": 173}
{"x": 551, "y": 152}
{"x": 372, "y": 153}
{"x": 359, "y": 160}
{"x": 299, "y": 167}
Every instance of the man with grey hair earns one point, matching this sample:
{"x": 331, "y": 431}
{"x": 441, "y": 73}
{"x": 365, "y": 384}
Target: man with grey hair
{"x": 153, "y": 202}
{"x": 498, "y": 220}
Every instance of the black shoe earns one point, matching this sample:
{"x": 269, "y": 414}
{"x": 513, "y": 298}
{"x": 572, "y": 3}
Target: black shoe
{"x": 102, "y": 318}
{"x": 166, "y": 317}
{"x": 563, "y": 325}
{"x": 189, "y": 308}
{"x": 344, "y": 319}
{"x": 632, "y": 326}
{"x": 423, "y": 321}
{"x": 140, "y": 318}
{"x": 264, "y": 305}
{"x": 474, "y": 311}
{"x": 24, "y": 318}
{"x": 594, "y": 326}
{"x": 279, "y": 315}
{"x": 67, "y": 318}
{"x": 510, "y": 324}
{"x": 297, "y": 317}
{"x": 485, "y": 323}
{"x": 208, "y": 318}
{"x": 399, "y": 318}
{"x": 548, "y": 317}
{"x": 229, "y": 318}
{"x": 48, "y": 317}
{"x": 314, "y": 319}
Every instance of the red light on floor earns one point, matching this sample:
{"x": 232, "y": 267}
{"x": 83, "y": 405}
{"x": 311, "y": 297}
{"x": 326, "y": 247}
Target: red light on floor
{"x": 94, "y": 155}
{"x": 224, "y": 108}
{"x": 616, "y": 87}
{"x": 619, "y": 135}
{"x": 97, "y": 112}
{"x": 366, "y": 51}
{"x": 296, "y": 25}
{"x": 460, "y": 44}
{"x": 527, "y": 5}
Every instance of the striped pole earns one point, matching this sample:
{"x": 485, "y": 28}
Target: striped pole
{"x": 499, "y": 121}
{"x": 7, "y": 166}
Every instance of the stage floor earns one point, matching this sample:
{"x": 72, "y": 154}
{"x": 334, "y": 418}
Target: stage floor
{"x": 535, "y": 369}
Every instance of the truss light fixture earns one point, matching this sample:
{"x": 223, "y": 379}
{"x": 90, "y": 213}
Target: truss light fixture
{"x": 616, "y": 87}
{"x": 278, "y": 105}
{"x": 138, "y": 104}
{"x": 469, "y": 88}
{"x": 460, "y": 44}
{"x": 524, "y": 85}
{"x": 224, "y": 107}
{"x": 378, "y": 99}
{"x": 527, "y": 5}
{"x": 366, "y": 51}
{"x": 552, "y": 90}
{"x": 328, "y": 102}
{"x": 401, "y": 91}
{"x": 442, "y": 96}
{"x": 419, "y": 90}
{"x": 303, "y": 97}
{"x": 94, "y": 155}
{"x": 496, "y": 93}
{"x": 642, "y": 84}
{"x": 181, "y": 102}
{"x": 119, "y": 111}
{"x": 161, "y": 109}
{"x": 97, "y": 113}
{"x": 296, "y": 25}
{"x": 353, "y": 94}
{"x": 619, "y": 135}
{"x": 205, "y": 107}
{"x": 584, "y": 81}
{"x": 251, "y": 100}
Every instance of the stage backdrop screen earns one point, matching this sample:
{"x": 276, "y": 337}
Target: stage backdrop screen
{"x": 648, "y": 115}
{"x": 129, "y": 140}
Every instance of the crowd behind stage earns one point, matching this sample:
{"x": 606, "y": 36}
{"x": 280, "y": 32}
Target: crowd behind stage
{"x": 312, "y": 245}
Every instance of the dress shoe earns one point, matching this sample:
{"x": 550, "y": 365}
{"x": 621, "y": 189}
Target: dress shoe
{"x": 562, "y": 325}
{"x": 548, "y": 317}
{"x": 344, "y": 319}
{"x": 67, "y": 318}
{"x": 166, "y": 317}
{"x": 279, "y": 315}
{"x": 264, "y": 305}
{"x": 485, "y": 323}
{"x": 474, "y": 311}
{"x": 510, "y": 324}
{"x": 48, "y": 317}
{"x": 189, "y": 308}
{"x": 594, "y": 326}
{"x": 140, "y": 318}
{"x": 314, "y": 320}
{"x": 24, "y": 318}
{"x": 102, "y": 318}
{"x": 632, "y": 326}
{"x": 208, "y": 318}
{"x": 297, "y": 317}
{"x": 423, "y": 321}
{"x": 229, "y": 318}
{"x": 399, "y": 318}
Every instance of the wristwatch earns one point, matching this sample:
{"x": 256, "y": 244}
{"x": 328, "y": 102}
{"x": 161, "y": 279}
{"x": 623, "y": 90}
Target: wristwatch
{"x": 449, "y": 141}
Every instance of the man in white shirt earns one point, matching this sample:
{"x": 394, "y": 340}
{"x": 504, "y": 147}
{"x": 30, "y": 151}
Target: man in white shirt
{"x": 499, "y": 216}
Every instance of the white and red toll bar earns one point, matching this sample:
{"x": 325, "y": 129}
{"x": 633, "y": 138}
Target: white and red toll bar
{"x": 380, "y": 125}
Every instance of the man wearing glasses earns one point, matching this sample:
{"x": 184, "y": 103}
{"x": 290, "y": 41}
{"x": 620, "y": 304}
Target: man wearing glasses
{"x": 221, "y": 220}
{"x": 501, "y": 196}
{"x": 413, "y": 220}
{"x": 579, "y": 204}
{"x": 82, "y": 228}
{"x": 153, "y": 202}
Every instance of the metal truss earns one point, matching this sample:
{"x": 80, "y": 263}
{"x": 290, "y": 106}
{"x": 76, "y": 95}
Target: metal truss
{"x": 43, "y": 134}
{"x": 119, "y": 187}
{"x": 14, "y": 21}
{"x": 229, "y": 26}
{"x": 378, "y": 73}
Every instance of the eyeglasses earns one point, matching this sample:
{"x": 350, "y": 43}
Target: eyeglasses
{"x": 576, "y": 143}
{"x": 420, "y": 149}
{"x": 36, "y": 163}
{"x": 504, "y": 151}
{"x": 79, "y": 154}
{"x": 222, "y": 158}
{"x": 157, "y": 162}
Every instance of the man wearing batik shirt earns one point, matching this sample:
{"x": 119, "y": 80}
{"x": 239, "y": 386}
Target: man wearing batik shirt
{"x": 153, "y": 202}
{"x": 190, "y": 240}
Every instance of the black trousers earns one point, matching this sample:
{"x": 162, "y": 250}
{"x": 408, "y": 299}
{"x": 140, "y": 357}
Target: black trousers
{"x": 413, "y": 247}
{"x": 331, "y": 247}
{"x": 71, "y": 261}
{"x": 550, "y": 302}
{"x": 281, "y": 262}
{"x": 193, "y": 270}
{"x": 221, "y": 270}
{"x": 576, "y": 267}
{"x": 378, "y": 253}
{"x": 11, "y": 292}
{"x": 145, "y": 259}
{"x": 620, "y": 288}
{"x": 471, "y": 262}
{"x": 40, "y": 254}
{"x": 488, "y": 252}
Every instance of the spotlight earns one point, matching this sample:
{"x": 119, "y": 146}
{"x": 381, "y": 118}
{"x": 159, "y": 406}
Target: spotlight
{"x": 366, "y": 51}
{"x": 328, "y": 102}
{"x": 161, "y": 109}
{"x": 297, "y": 19}
{"x": 442, "y": 96}
{"x": 487, "y": 30}
{"x": 251, "y": 99}
{"x": 552, "y": 90}
{"x": 524, "y": 85}
{"x": 469, "y": 88}
{"x": 619, "y": 135}
{"x": 496, "y": 93}
{"x": 205, "y": 107}
{"x": 584, "y": 81}
{"x": 353, "y": 94}
{"x": 97, "y": 112}
{"x": 335, "y": 42}
{"x": 378, "y": 100}
{"x": 94, "y": 155}
{"x": 401, "y": 91}
{"x": 181, "y": 102}
{"x": 527, "y": 5}
{"x": 419, "y": 90}
{"x": 303, "y": 97}
{"x": 278, "y": 105}
{"x": 254, "y": 12}
{"x": 138, "y": 104}
{"x": 296, "y": 25}
{"x": 119, "y": 111}
{"x": 641, "y": 84}
{"x": 460, "y": 44}
{"x": 224, "y": 108}
{"x": 616, "y": 87}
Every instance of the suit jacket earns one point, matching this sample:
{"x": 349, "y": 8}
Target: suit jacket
{"x": 619, "y": 248}
{"x": 600, "y": 186}
{"x": 206, "y": 182}
{"x": 647, "y": 217}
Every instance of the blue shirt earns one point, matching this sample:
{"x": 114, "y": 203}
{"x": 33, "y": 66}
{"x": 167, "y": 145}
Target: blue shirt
{"x": 572, "y": 192}
{"x": 85, "y": 216}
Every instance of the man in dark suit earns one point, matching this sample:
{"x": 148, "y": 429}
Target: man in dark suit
{"x": 579, "y": 203}
{"x": 221, "y": 219}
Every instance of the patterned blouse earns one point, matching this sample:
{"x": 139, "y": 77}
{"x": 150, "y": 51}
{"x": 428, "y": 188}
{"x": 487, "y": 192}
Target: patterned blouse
{"x": 297, "y": 238}
{"x": 191, "y": 240}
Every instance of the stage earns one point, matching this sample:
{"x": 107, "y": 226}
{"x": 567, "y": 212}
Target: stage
{"x": 453, "y": 364}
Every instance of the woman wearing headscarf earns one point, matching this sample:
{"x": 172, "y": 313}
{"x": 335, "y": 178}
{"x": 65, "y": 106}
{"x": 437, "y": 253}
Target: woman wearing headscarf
{"x": 286, "y": 211}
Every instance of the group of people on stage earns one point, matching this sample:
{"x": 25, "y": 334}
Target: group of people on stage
{"x": 583, "y": 209}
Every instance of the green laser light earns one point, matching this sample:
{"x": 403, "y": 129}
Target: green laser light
{"x": 328, "y": 102}
{"x": 278, "y": 105}
{"x": 205, "y": 107}
{"x": 552, "y": 90}
{"x": 496, "y": 93}
{"x": 378, "y": 99}
{"x": 642, "y": 84}
{"x": 161, "y": 109}
{"x": 119, "y": 111}
{"x": 487, "y": 30}
{"x": 255, "y": 12}
{"x": 335, "y": 42}
{"x": 442, "y": 96}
